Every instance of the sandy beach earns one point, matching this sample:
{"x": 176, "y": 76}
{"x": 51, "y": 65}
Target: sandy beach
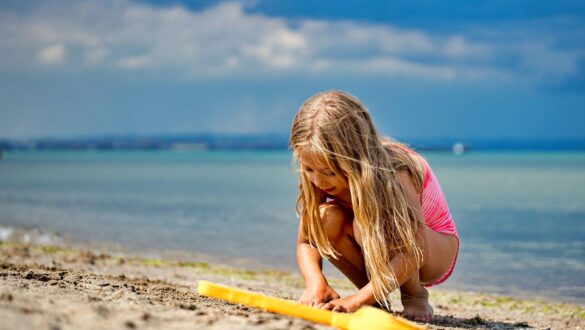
{"x": 61, "y": 287}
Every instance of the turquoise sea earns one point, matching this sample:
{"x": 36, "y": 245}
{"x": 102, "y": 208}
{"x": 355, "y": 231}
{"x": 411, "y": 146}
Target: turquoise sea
{"x": 521, "y": 215}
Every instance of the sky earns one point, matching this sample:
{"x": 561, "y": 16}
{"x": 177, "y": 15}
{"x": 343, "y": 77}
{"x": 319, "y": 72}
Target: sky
{"x": 425, "y": 69}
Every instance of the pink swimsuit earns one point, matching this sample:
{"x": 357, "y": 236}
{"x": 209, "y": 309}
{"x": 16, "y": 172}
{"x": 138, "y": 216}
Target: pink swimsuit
{"x": 436, "y": 212}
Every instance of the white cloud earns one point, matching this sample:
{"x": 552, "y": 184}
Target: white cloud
{"x": 224, "y": 39}
{"x": 548, "y": 61}
{"x": 53, "y": 54}
{"x": 458, "y": 46}
{"x": 358, "y": 37}
{"x": 133, "y": 62}
{"x": 95, "y": 55}
{"x": 387, "y": 66}
{"x": 279, "y": 49}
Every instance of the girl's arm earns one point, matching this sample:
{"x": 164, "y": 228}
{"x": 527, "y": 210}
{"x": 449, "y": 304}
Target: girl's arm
{"x": 403, "y": 265}
{"x": 309, "y": 260}
{"x": 310, "y": 264}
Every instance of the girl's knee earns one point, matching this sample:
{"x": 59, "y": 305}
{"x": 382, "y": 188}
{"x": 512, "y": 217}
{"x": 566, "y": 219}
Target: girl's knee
{"x": 334, "y": 220}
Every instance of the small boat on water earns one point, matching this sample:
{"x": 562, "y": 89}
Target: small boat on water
{"x": 458, "y": 149}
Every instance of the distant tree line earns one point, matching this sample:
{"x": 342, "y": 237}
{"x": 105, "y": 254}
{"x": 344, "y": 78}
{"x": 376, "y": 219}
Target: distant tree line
{"x": 264, "y": 142}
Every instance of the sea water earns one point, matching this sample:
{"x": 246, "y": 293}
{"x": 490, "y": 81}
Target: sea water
{"x": 520, "y": 215}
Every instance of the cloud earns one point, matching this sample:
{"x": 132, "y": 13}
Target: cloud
{"x": 133, "y": 62}
{"x": 224, "y": 40}
{"x": 53, "y": 54}
{"x": 458, "y": 46}
{"x": 95, "y": 55}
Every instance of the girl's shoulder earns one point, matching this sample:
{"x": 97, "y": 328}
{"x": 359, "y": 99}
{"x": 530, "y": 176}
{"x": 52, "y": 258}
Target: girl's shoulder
{"x": 405, "y": 159}
{"x": 407, "y": 155}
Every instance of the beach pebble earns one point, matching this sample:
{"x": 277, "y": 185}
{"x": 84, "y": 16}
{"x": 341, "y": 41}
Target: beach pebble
{"x": 190, "y": 307}
{"x": 6, "y": 296}
{"x": 283, "y": 324}
{"x": 102, "y": 311}
{"x": 477, "y": 320}
{"x": 257, "y": 320}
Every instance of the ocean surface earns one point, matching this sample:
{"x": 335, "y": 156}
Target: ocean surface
{"x": 521, "y": 216}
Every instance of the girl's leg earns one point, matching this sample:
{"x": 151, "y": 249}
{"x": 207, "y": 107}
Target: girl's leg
{"x": 439, "y": 253}
{"x": 338, "y": 224}
{"x": 415, "y": 300}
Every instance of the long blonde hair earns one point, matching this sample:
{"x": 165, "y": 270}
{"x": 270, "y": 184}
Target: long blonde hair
{"x": 338, "y": 126}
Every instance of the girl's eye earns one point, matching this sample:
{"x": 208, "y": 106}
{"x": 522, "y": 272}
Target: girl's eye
{"x": 325, "y": 173}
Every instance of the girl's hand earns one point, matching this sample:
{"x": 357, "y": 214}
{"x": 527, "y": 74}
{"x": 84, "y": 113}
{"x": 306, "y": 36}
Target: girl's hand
{"x": 346, "y": 305}
{"x": 317, "y": 296}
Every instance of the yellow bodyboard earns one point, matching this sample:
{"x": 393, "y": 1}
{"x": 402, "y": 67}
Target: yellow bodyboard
{"x": 369, "y": 318}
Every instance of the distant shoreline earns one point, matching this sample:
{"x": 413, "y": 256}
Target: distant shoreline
{"x": 202, "y": 142}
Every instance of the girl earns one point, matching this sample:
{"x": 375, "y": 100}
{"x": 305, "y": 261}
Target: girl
{"x": 369, "y": 205}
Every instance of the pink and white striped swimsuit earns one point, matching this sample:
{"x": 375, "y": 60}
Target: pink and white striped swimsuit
{"x": 436, "y": 211}
{"x": 434, "y": 205}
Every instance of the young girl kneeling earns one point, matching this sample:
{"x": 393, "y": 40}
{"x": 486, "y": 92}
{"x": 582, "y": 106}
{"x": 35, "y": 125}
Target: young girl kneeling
{"x": 371, "y": 206}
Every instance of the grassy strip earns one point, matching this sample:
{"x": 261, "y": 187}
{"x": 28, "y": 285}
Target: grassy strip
{"x": 527, "y": 306}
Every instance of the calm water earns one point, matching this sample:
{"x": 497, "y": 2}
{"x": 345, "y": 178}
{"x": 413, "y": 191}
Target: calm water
{"x": 521, "y": 216}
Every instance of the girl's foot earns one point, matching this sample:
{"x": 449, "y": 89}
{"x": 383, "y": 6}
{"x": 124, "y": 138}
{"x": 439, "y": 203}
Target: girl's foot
{"x": 417, "y": 307}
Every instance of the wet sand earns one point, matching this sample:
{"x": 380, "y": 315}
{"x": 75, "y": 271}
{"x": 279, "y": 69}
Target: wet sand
{"x": 50, "y": 287}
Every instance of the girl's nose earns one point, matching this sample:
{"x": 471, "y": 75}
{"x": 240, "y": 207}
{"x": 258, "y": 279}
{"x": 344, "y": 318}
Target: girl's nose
{"x": 318, "y": 179}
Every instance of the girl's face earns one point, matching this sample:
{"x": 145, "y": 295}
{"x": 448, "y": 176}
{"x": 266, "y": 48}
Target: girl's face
{"x": 315, "y": 168}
